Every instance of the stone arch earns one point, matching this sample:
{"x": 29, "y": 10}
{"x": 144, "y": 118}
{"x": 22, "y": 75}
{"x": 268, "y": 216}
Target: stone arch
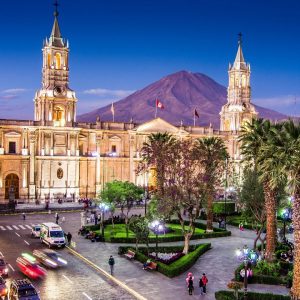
{"x": 12, "y": 184}
{"x": 57, "y": 60}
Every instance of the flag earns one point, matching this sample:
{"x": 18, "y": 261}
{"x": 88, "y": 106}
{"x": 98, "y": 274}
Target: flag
{"x": 196, "y": 113}
{"x": 159, "y": 104}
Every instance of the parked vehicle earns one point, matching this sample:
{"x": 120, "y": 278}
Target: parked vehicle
{"x": 3, "y": 267}
{"x": 3, "y": 288}
{"x": 36, "y": 231}
{"x": 22, "y": 289}
{"x": 27, "y": 264}
{"x": 49, "y": 258}
{"x": 52, "y": 235}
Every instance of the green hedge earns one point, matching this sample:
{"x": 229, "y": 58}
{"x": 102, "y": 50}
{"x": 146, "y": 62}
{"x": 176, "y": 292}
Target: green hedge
{"x": 228, "y": 295}
{"x": 257, "y": 278}
{"x": 176, "y": 268}
{"x": 219, "y": 208}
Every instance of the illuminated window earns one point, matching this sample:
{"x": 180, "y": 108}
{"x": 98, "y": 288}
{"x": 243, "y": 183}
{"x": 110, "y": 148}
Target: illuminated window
{"x": 58, "y": 114}
{"x": 57, "y": 61}
{"x": 113, "y": 148}
{"x": 227, "y": 125}
{"x": 49, "y": 59}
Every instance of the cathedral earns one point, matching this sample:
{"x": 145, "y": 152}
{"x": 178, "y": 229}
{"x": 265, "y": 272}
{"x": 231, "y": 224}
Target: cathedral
{"x": 55, "y": 157}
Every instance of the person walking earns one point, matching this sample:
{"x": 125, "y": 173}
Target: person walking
{"x": 205, "y": 281}
{"x": 24, "y": 216}
{"x": 201, "y": 285}
{"x": 111, "y": 263}
{"x": 56, "y": 218}
{"x": 190, "y": 285}
{"x": 69, "y": 238}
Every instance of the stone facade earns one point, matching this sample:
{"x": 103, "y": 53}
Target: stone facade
{"x": 56, "y": 157}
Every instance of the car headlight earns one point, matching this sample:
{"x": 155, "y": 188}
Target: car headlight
{"x": 62, "y": 261}
{"x": 50, "y": 262}
{"x": 6, "y": 270}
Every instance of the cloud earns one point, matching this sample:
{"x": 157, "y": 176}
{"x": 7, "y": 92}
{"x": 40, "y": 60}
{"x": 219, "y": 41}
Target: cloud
{"x": 14, "y": 91}
{"x": 282, "y": 101}
{"x": 10, "y": 94}
{"x": 108, "y": 93}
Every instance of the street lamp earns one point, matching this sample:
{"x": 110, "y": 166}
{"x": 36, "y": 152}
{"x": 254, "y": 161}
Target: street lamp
{"x": 156, "y": 226}
{"x": 247, "y": 256}
{"x": 285, "y": 215}
{"x": 103, "y": 208}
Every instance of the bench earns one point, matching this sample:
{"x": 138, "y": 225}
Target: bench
{"x": 130, "y": 254}
{"x": 152, "y": 266}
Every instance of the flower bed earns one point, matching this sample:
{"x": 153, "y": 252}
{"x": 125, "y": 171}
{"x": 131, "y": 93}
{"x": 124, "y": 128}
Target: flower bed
{"x": 166, "y": 258}
{"x": 228, "y": 295}
{"x": 175, "y": 268}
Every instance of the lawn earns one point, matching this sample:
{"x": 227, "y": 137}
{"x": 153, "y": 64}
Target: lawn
{"x": 120, "y": 232}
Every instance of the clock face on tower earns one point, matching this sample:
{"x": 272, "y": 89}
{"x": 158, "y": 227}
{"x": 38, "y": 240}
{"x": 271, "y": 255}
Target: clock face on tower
{"x": 59, "y": 91}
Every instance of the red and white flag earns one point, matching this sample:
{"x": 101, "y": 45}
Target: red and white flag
{"x": 159, "y": 104}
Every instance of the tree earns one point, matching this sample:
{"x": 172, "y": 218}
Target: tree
{"x": 253, "y": 201}
{"x": 140, "y": 227}
{"x": 254, "y": 137}
{"x": 212, "y": 155}
{"x": 287, "y": 150}
{"x": 155, "y": 153}
{"x": 122, "y": 194}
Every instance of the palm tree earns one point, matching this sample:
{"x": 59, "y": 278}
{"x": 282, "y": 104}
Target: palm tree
{"x": 212, "y": 154}
{"x": 254, "y": 137}
{"x": 156, "y": 153}
{"x": 288, "y": 151}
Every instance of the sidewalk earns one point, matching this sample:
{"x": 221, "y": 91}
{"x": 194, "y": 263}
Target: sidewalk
{"x": 218, "y": 263}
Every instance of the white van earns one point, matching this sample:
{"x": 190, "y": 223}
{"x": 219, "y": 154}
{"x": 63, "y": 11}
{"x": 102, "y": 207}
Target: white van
{"x": 52, "y": 235}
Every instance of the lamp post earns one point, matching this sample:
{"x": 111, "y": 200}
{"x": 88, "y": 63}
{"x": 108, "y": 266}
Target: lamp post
{"x": 225, "y": 194}
{"x": 156, "y": 227}
{"x": 103, "y": 208}
{"x": 285, "y": 215}
{"x": 246, "y": 256}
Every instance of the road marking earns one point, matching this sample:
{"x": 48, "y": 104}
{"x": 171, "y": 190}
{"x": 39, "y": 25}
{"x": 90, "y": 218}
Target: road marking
{"x": 68, "y": 278}
{"x": 22, "y": 227}
{"x": 84, "y": 294}
{"x": 15, "y": 227}
{"x": 2, "y": 228}
{"x": 26, "y": 242}
{"x": 107, "y": 275}
{"x": 10, "y": 266}
{"x": 9, "y": 228}
{"x": 17, "y": 234}
{"x": 29, "y": 227}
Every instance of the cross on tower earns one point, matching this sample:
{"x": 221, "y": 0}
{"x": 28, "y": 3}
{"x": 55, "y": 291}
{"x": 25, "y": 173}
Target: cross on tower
{"x": 240, "y": 38}
{"x": 56, "y": 8}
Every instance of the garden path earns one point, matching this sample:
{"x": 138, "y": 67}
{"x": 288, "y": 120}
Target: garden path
{"x": 218, "y": 263}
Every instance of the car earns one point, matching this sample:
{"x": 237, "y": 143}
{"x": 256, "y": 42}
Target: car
{"x": 3, "y": 267}
{"x": 36, "y": 231}
{"x": 52, "y": 235}
{"x": 22, "y": 289}
{"x": 49, "y": 258}
{"x": 3, "y": 288}
{"x": 27, "y": 264}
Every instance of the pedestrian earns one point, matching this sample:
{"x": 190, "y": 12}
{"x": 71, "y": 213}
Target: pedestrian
{"x": 69, "y": 238}
{"x": 205, "y": 281}
{"x": 111, "y": 263}
{"x": 190, "y": 285}
{"x": 63, "y": 219}
{"x": 56, "y": 218}
{"x": 24, "y": 216}
{"x": 201, "y": 285}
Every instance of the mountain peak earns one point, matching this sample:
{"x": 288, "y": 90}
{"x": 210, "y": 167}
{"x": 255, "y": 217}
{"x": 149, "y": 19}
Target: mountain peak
{"x": 180, "y": 93}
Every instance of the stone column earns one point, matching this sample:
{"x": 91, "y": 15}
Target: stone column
{"x": 32, "y": 140}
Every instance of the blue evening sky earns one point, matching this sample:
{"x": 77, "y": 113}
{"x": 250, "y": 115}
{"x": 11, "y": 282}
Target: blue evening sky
{"x": 119, "y": 46}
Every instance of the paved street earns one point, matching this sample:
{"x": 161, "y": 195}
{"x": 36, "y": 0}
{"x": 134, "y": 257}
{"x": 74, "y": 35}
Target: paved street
{"x": 69, "y": 283}
{"x": 75, "y": 281}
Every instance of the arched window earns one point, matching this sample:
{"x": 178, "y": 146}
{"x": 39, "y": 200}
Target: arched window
{"x": 57, "y": 61}
{"x": 58, "y": 113}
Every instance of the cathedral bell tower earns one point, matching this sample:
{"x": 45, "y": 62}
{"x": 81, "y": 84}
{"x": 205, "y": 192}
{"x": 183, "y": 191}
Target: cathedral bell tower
{"x": 238, "y": 108}
{"x": 55, "y": 103}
